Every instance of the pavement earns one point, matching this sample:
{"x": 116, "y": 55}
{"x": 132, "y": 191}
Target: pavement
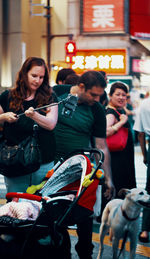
{"x": 143, "y": 251}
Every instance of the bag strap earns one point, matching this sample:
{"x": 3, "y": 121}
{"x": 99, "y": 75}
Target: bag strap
{"x": 117, "y": 112}
{"x": 35, "y": 129}
{"x": 114, "y": 110}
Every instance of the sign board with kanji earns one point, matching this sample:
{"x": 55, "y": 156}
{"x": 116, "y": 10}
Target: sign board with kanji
{"x": 103, "y": 16}
{"x": 112, "y": 61}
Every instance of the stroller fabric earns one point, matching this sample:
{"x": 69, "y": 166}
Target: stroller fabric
{"x": 70, "y": 171}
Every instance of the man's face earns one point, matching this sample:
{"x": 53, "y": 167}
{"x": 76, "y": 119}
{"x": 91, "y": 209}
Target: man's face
{"x": 91, "y": 96}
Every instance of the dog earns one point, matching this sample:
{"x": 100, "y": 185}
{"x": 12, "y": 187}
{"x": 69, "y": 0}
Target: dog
{"x": 121, "y": 218}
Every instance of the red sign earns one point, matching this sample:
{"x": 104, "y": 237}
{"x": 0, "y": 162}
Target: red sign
{"x": 103, "y": 16}
{"x": 140, "y": 18}
{"x": 70, "y": 48}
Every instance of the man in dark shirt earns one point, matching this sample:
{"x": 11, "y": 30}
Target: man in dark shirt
{"x": 74, "y": 133}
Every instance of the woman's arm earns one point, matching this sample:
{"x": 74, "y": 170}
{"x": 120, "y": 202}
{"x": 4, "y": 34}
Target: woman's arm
{"x": 113, "y": 125}
{"x": 47, "y": 122}
{"x": 142, "y": 140}
{"x": 7, "y": 116}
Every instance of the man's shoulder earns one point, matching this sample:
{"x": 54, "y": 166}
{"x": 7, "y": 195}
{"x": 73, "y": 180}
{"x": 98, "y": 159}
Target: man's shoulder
{"x": 98, "y": 107}
{"x": 61, "y": 89}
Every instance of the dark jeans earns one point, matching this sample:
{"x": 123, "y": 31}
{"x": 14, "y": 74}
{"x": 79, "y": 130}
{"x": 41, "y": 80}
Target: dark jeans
{"x": 84, "y": 246}
{"x": 146, "y": 212}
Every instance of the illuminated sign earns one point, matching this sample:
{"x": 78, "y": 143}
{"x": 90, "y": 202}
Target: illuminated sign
{"x": 141, "y": 65}
{"x": 102, "y": 16}
{"x": 70, "y": 48}
{"x": 112, "y": 61}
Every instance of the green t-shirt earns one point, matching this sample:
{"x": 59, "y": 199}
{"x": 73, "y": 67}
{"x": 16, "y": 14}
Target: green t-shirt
{"x": 76, "y": 132}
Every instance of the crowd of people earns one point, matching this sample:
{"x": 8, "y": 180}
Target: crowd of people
{"x": 97, "y": 116}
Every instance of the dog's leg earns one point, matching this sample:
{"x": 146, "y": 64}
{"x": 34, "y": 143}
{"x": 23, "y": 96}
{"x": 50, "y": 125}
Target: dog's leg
{"x": 133, "y": 244}
{"x": 103, "y": 230}
{"x": 115, "y": 243}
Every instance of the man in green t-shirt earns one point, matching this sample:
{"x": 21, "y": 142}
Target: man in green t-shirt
{"x": 87, "y": 121}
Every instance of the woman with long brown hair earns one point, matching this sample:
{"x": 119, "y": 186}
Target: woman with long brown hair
{"x": 32, "y": 90}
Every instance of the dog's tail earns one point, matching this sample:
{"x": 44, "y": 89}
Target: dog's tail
{"x": 123, "y": 242}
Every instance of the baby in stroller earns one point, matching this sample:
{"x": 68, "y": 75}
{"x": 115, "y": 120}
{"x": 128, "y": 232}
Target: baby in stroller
{"x": 38, "y": 225}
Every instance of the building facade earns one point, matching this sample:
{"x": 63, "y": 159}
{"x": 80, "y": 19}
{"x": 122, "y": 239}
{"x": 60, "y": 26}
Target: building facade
{"x": 30, "y": 28}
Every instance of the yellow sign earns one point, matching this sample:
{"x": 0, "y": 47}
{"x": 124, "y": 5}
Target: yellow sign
{"x": 112, "y": 61}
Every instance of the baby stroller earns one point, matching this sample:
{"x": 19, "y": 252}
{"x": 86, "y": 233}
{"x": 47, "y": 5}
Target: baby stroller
{"x": 47, "y": 235}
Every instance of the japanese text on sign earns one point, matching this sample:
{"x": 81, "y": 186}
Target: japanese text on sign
{"x": 103, "y": 16}
{"x": 108, "y": 60}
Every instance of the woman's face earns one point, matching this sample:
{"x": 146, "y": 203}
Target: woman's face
{"x": 118, "y": 99}
{"x": 35, "y": 77}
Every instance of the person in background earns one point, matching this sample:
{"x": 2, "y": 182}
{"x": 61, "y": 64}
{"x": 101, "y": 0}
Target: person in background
{"x": 72, "y": 79}
{"x": 142, "y": 126}
{"x": 32, "y": 90}
{"x": 62, "y": 75}
{"x": 122, "y": 162}
{"x": 66, "y": 77}
{"x": 130, "y": 112}
{"x": 75, "y": 133}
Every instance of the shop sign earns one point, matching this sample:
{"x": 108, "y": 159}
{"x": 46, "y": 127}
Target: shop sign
{"x": 112, "y": 61}
{"x": 141, "y": 66}
{"x": 103, "y": 16}
{"x": 140, "y": 19}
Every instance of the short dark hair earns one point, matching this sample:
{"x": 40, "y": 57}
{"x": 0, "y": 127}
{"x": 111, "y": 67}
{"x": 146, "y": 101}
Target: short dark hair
{"x": 92, "y": 78}
{"x": 103, "y": 73}
{"x": 63, "y": 73}
{"x": 72, "y": 79}
{"x": 104, "y": 99}
{"x": 117, "y": 85}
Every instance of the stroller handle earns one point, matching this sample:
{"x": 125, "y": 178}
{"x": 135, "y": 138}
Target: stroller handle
{"x": 28, "y": 196}
{"x": 88, "y": 151}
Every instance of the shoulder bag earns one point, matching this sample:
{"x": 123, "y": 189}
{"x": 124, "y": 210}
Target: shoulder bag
{"x": 21, "y": 159}
{"x": 118, "y": 141}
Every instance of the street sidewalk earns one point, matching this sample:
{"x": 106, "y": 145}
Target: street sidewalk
{"x": 143, "y": 251}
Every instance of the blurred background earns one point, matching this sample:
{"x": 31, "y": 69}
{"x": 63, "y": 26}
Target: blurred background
{"x": 108, "y": 35}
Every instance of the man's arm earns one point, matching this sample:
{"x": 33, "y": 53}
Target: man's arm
{"x": 102, "y": 145}
{"x": 142, "y": 140}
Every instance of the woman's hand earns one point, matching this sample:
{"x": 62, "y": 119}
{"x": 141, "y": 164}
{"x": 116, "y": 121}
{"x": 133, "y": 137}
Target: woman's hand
{"x": 123, "y": 118}
{"x": 30, "y": 112}
{"x": 10, "y": 117}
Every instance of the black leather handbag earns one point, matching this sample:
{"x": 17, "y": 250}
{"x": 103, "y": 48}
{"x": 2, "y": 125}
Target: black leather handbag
{"x": 20, "y": 159}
